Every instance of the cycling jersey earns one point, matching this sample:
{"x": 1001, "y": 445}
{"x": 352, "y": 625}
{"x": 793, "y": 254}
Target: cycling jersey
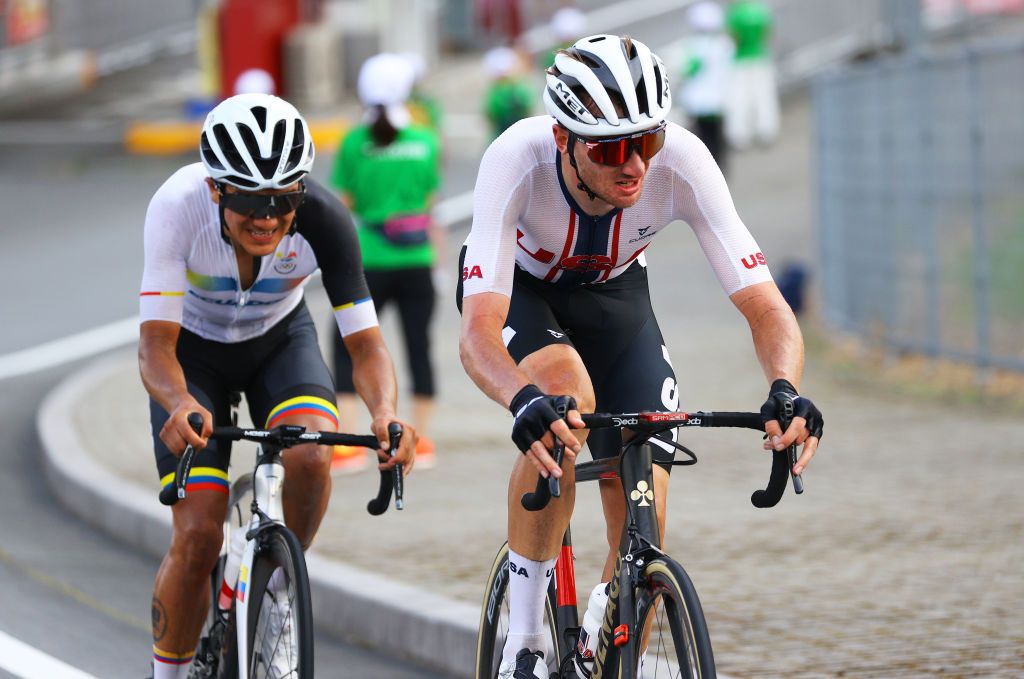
{"x": 190, "y": 274}
{"x": 524, "y": 215}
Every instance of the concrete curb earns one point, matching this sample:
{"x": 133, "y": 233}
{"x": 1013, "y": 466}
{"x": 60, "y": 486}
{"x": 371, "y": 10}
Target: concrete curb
{"x": 360, "y": 607}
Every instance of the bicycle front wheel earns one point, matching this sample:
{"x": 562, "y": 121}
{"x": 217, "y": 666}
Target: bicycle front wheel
{"x": 494, "y": 621}
{"x": 280, "y": 617}
{"x": 678, "y": 644}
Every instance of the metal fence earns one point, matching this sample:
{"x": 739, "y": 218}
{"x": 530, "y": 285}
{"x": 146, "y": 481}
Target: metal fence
{"x": 921, "y": 207}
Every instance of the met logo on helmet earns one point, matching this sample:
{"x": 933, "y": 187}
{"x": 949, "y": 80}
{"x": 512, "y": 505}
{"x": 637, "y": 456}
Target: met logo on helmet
{"x": 570, "y": 100}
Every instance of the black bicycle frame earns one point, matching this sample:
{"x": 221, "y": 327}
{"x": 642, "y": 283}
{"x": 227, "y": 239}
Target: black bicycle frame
{"x": 641, "y": 540}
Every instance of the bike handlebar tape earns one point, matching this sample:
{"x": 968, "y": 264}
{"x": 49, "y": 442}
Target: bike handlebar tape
{"x": 780, "y": 406}
{"x": 390, "y": 479}
{"x": 170, "y": 494}
{"x": 551, "y": 486}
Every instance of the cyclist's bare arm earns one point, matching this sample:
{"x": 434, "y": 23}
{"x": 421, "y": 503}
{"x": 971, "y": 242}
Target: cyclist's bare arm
{"x": 373, "y": 374}
{"x": 165, "y": 381}
{"x": 780, "y": 350}
{"x": 492, "y": 369}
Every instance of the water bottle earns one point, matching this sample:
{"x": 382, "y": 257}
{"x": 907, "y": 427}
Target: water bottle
{"x": 592, "y": 621}
{"x": 231, "y": 568}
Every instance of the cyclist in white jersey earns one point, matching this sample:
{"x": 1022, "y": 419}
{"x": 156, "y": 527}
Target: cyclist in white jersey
{"x": 229, "y": 245}
{"x": 554, "y": 294}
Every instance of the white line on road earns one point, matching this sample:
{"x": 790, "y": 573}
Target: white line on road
{"x": 27, "y": 662}
{"x": 119, "y": 333}
{"x": 70, "y": 348}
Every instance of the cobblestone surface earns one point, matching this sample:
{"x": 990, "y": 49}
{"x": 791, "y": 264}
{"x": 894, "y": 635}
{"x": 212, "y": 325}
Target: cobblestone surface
{"x": 904, "y": 558}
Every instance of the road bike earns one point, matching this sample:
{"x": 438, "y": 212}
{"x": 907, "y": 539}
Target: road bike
{"x": 653, "y": 624}
{"x": 266, "y": 629}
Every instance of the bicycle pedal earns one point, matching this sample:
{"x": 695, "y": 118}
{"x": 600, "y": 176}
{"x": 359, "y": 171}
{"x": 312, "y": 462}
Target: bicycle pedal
{"x": 620, "y": 637}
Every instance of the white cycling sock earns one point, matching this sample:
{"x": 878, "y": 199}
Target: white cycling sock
{"x": 527, "y": 587}
{"x": 171, "y": 665}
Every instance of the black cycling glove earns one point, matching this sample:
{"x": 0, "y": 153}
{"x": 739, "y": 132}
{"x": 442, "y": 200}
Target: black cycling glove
{"x": 784, "y": 404}
{"x": 535, "y": 412}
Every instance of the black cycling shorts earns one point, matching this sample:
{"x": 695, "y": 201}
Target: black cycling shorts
{"x": 612, "y": 327}
{"x": 280, "y": 373}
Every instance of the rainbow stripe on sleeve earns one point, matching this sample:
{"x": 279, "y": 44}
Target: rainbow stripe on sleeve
{"x": 157, "y": 293}
{"x": 349, "y": 305}
{"x": 202, "y": 478}
{"x": 303, "y": 405}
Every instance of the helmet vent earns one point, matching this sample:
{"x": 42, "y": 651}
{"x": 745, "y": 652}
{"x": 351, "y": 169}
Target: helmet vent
{"x": 241, "y": 182}
{"x": 292, "y": 178}
{"x": 659, "y": 86}
{"x": 227, "y": 147}
{"x": 298, "y": 146}
{"x": 260, "y": 114}
{"x": 209, "y": 157}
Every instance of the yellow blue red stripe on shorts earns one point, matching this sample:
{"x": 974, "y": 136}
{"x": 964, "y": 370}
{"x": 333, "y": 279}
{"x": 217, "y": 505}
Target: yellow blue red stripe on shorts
{"x": 303, "y": 405}
{"x": 202, "y": 478}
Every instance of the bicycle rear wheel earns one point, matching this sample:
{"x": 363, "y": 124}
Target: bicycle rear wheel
{"x": 494, "y": 621}
{"x": 679, "y": 644}
{"x": 280, "y": 624}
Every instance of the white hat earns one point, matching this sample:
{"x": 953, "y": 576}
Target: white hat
{"x": 568, "y": 23}
{"x": 254, "y": 81}
{"x": 706, "y": 16}
{"x": 385, "y": 79}
{"x": 500, "y": 62}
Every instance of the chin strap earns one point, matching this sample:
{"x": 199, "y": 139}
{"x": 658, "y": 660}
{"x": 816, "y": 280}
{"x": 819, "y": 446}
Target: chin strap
{"x": 581, "y": 185}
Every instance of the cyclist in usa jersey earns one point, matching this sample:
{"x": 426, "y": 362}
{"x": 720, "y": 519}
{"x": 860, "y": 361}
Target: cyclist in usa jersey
{"x": 554, "y": 294}
{"x": 229, "y": 244}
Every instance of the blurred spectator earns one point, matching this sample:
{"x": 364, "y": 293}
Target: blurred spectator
{"x": 792, "y": 282}
{"x": 424, "y": 109}
{"x": 752, "y": 107}
{"x": 709, "y": 53}
{"x": 568, "y": 25}
{"x": 507, "y": 97}
{"x": 387, "y": 171}
{"x": 501, "y": 18}
{"x": 254, "y": 81}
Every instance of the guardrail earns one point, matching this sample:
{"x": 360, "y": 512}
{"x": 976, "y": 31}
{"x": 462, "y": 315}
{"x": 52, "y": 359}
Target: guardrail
{"x": 920, "y": 210}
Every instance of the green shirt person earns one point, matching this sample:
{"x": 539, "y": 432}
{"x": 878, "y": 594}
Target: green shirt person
{"x": 383, "y": 182}
{"x": 752, "y": 107}
{"x": 388, "y": 173}
{"x": 507, "y": 98}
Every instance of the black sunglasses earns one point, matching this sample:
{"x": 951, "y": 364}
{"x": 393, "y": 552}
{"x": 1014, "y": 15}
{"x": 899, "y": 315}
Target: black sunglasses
{"x": 260, "y": 206}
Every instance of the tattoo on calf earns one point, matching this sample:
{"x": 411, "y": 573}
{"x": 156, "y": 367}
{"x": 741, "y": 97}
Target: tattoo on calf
{"x": 159, "y": 620}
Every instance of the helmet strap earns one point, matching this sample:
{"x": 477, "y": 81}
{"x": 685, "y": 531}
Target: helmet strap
{"x": 581, "y": 185}
{"x": 220, "y": 211}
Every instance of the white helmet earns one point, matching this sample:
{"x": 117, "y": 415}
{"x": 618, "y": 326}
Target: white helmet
{"x": 256, "y": 142}
{"x": 612, "y": 71}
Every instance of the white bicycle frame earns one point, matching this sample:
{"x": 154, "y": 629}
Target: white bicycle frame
{"x": 268, "y": 481}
